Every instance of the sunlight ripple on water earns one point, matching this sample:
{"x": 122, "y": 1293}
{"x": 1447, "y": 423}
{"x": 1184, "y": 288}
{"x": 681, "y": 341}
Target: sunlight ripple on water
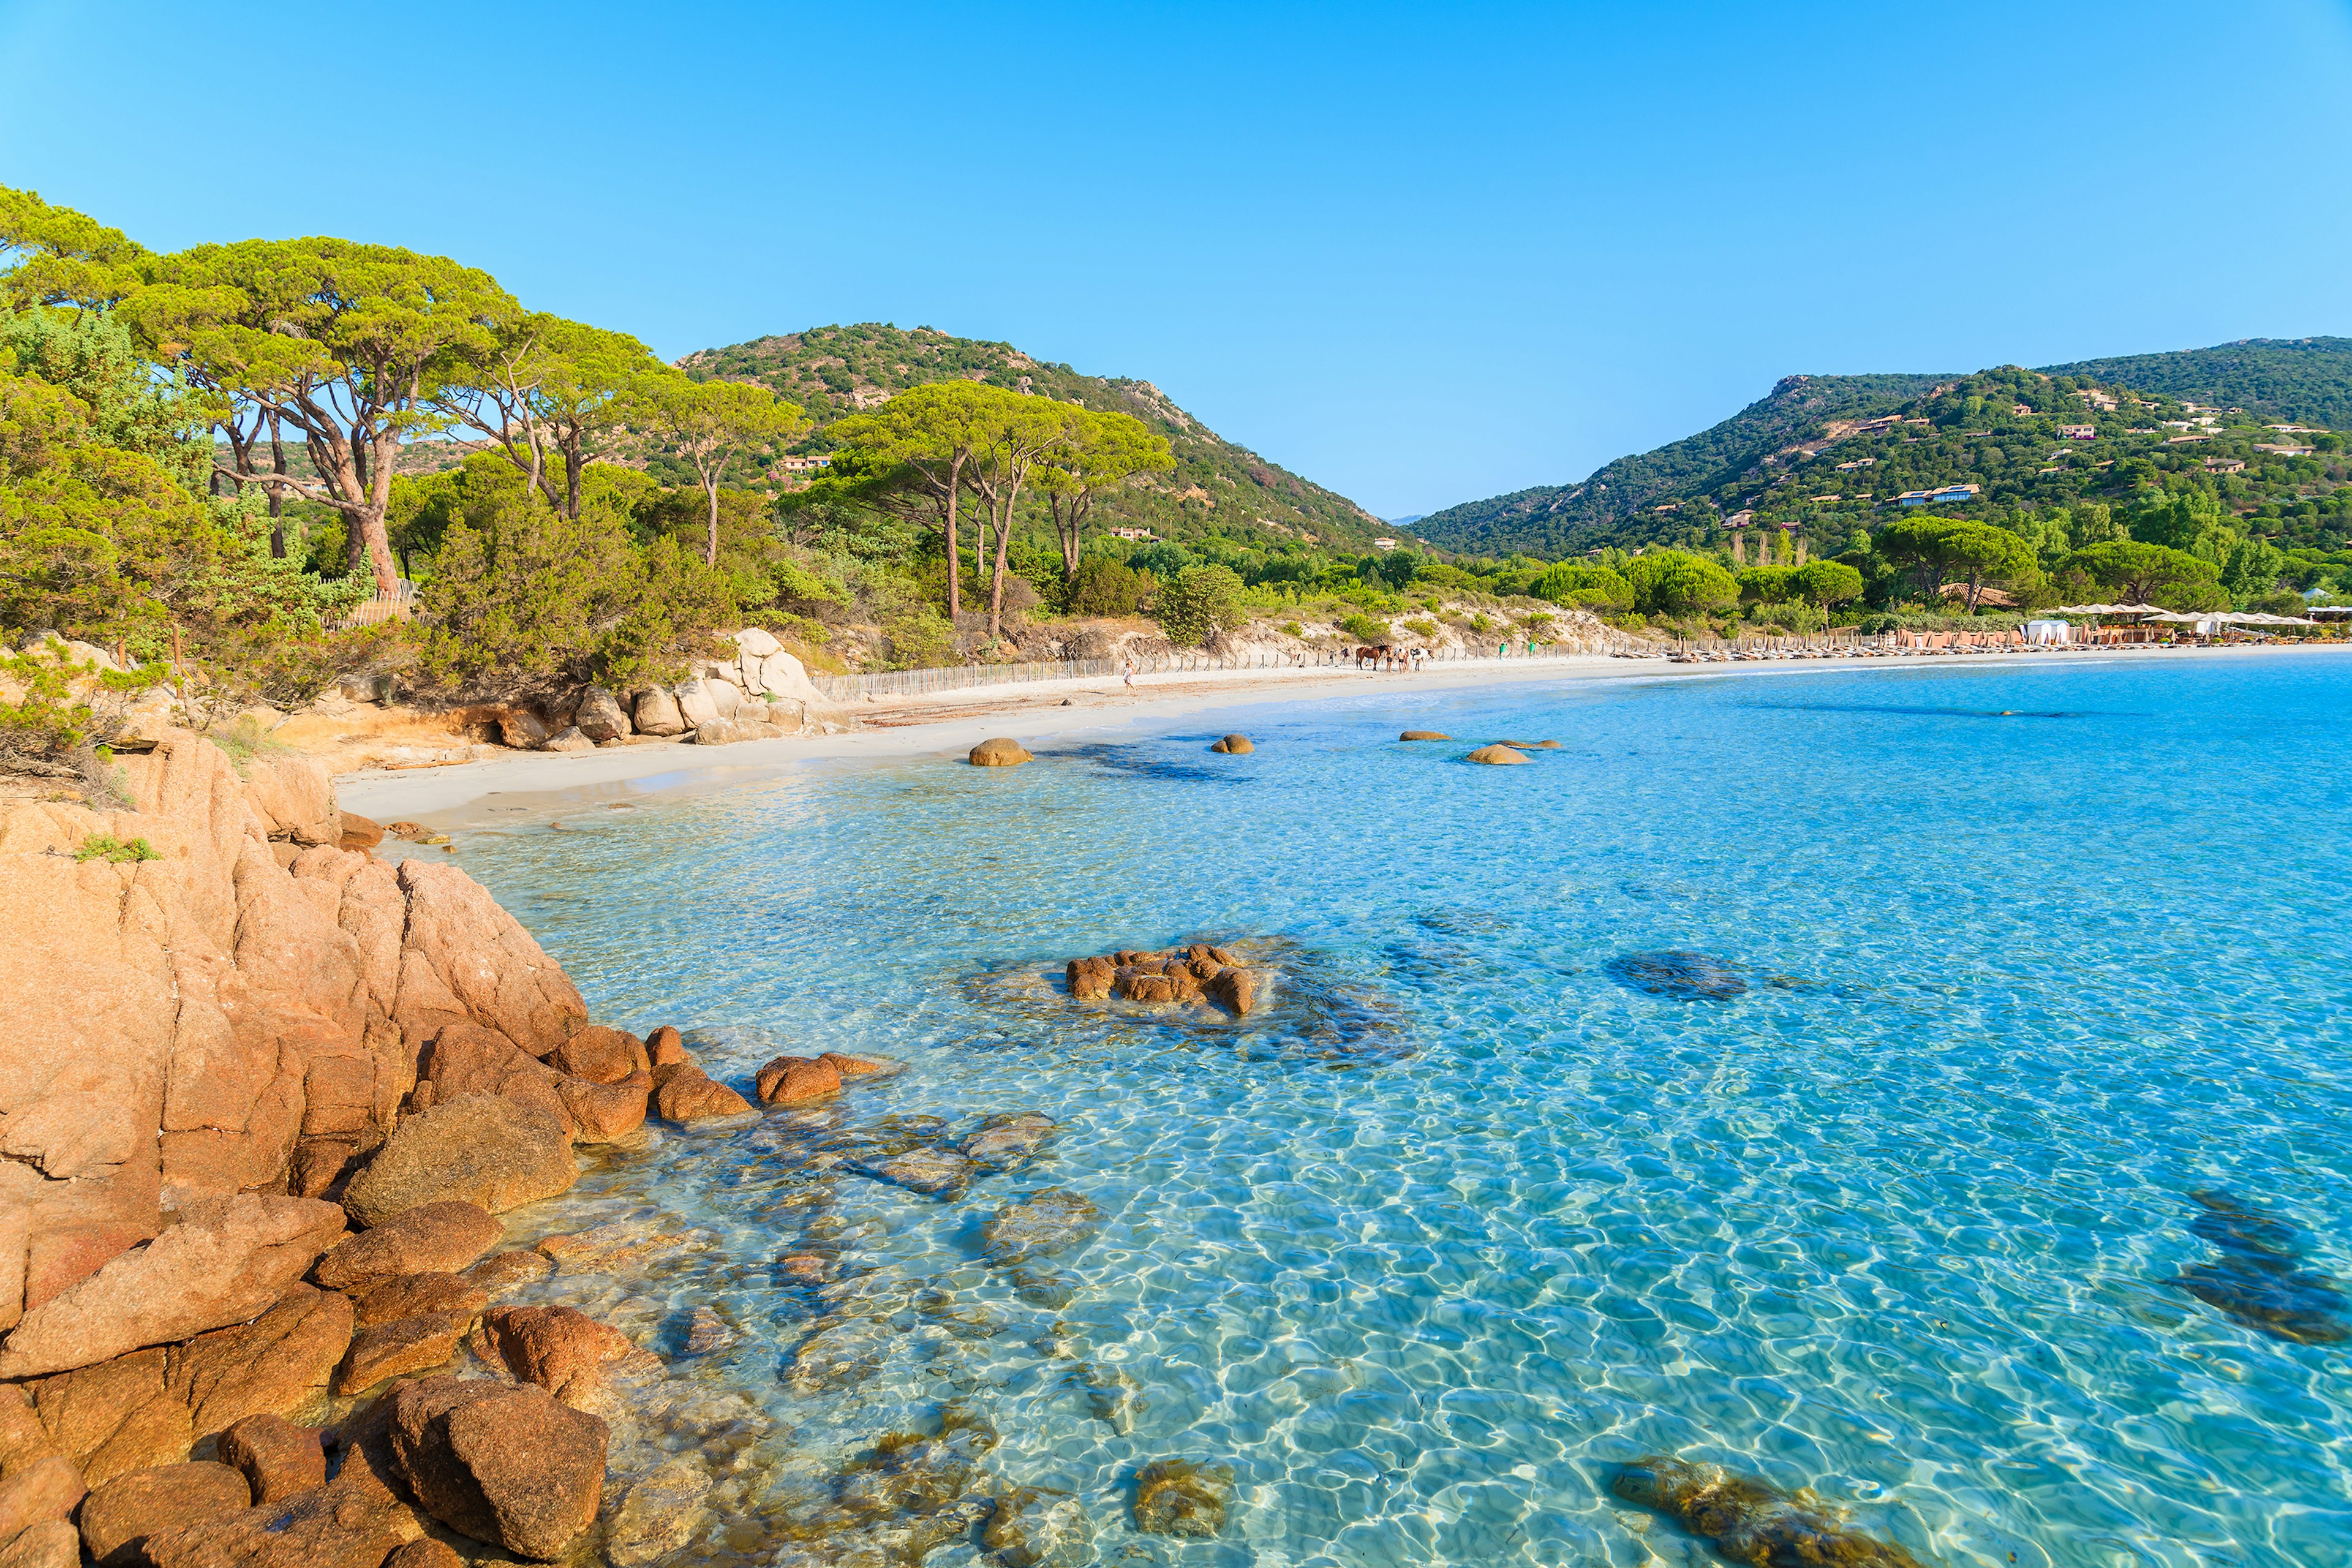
{"x": 1784, "y": 1076}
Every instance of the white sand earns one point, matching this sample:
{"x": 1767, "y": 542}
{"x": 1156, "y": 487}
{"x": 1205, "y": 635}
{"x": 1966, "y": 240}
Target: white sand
{"x": 948, "y": 724}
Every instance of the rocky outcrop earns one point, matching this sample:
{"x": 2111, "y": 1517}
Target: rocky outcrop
{"x": 119, "y": 1517}
{"x": 432, "y": 1238}
{"x": 226, "y": 1260}
{"x": 481, "y": 1148}
{"x": 1192, "y": 975}
{"x": 205, "y": 1044}
{"x": 999, "y": 752}
{"x": 683, "y": 1092}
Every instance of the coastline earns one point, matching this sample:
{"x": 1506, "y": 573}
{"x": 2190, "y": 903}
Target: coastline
{"x": 946, "y": 724}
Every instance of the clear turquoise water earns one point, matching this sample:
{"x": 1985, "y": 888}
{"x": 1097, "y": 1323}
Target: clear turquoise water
{"x": 1464, "y": 1221}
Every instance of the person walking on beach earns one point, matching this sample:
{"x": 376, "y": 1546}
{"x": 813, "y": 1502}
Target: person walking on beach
{"x": 1131, "y": 672}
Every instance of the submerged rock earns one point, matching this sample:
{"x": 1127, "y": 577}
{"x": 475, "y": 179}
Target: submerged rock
{"x": 934, "y": 1173}
{"x": 1749, "y": 1522}
{"x": 1008, "y": 1140}
{"x": 1176, "y": 1497}
{"x": 1037, "y": 1529}
{"x": 1234, "y": 746}
{"x": 1044, "y": 1225}
{"x": 1690, "y": 976}
{"x": 659, "y": 1514}
{"x": 1531, "y": 745}
{"x": 1424, "y": 735}
{"x": 2258, "y": 1280}
{"x": 1503, "y": 755}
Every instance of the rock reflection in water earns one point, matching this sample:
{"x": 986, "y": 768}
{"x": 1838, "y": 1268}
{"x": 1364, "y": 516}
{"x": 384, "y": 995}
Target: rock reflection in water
{"x": 1690, "y": 976}
{"x": 1749, "y": 1522}
{"x": 2258, "y": 1280}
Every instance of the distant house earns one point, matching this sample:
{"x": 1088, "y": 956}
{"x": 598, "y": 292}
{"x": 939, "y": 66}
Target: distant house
{"x": 1824, "y": 499}
{"x": 2020, "y": 410}
{"x": 2225, "y": 465}
{"x": 1857, "y": 463}
{"x": 1385, "y": 544}
{"x": 2195, "y": 435}
{"x": 803, "y": 464}
{"x": 2295, "y": 429}
{"x": 2280, "y": 448}
{"x": 1948, "y": 494}
{"x": 1739, "y": 519}
{"x": 1138, "y": 535}
{"x": 2079, "y": 431}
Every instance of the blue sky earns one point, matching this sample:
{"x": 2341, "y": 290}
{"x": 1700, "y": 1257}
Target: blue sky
{"x": 1418, "y": 254}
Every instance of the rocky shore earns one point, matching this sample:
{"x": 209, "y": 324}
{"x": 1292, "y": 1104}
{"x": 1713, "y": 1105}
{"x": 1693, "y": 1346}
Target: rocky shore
{"x": 270, "y": 1099}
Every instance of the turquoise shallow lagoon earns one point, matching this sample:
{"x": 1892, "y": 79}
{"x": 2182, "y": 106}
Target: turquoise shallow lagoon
{"x": 2002, "y": 967}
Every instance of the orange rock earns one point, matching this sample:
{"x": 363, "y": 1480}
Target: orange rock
{"x": 605, "y": 1112}
{"x": 665, "y": 1046}
{"x": 358, "y": 832}
{"x": 417, "y": 1343}
{"x": 798, "y": 1080}
{"x": 1233, "y": 988}
{"x": 561, "y": 1350}
{"x": 435, "y": 1237}
{"x": 602, "y": 1055}
{"x": 412, "y": 1294}
{"x": 683, "y": 1092}
{"x": 277, "y": 1458}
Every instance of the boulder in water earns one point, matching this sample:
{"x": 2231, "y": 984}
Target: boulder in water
{"x": 503, "y": 1463}
{"x": 1500, "y": 755}
{"x": 1690, "y": 976}
{"x": 1234, "y": 746}
{"x": 999, "y": 752}
{"x": 1424, "y": 735}
{"x": 1748, "y": 1521}
{"x": 1008, "y": 1140}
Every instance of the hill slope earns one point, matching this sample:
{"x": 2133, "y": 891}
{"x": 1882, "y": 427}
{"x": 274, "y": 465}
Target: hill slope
{"x": 1678, "y": 492}
{"x": 1553, "y": 521}
{"x": 1216, "y": 487}
{"x": 2304, "y": 381}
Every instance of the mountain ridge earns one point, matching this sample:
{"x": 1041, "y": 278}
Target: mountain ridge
{"x": 2288, "y": 379}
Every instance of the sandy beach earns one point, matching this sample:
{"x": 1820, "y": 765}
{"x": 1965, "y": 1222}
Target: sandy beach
{"x": 947, "y": 724}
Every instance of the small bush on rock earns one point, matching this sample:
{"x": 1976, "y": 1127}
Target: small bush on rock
{"x": 116, "y": 851}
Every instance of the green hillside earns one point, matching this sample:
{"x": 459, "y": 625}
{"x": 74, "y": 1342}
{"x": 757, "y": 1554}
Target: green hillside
{"x": 1216, "y": 488}
{"x": 1616, "y": 506}
{"x": 2302, "y": 381}
{"x": 1798, "y": 458}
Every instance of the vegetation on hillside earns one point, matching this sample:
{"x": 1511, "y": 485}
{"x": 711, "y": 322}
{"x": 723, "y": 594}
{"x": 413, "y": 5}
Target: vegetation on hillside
{"x": 2300, "y": 381}
{"x": 1213, "y": 487}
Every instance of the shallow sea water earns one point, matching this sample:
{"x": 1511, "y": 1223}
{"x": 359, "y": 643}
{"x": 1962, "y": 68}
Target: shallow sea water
{"x": 1477, "y": 1211}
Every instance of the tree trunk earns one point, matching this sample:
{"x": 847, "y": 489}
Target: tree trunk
{"x": 277, "y": 493}
{"x": 711, "y": 488}
{"x": 955, "y": 566}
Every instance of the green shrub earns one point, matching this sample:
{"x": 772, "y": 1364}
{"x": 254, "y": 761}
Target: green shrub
{"x": 1578, "y": 582}
{"x": 524, "y": 598}
{"x": 1669, "y": 582}
{"x": 1364, "y": 630}
{"x": 117, "y": 851}
{"x": 1199, "y": 601}
{"x": 1293, "y": 630}
{"x": 1107, "y": 587}
{"x": 1426, "y": 629}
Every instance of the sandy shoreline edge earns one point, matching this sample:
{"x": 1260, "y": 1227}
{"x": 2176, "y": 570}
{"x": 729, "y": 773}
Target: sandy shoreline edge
{"x": 1099, "y": 708}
